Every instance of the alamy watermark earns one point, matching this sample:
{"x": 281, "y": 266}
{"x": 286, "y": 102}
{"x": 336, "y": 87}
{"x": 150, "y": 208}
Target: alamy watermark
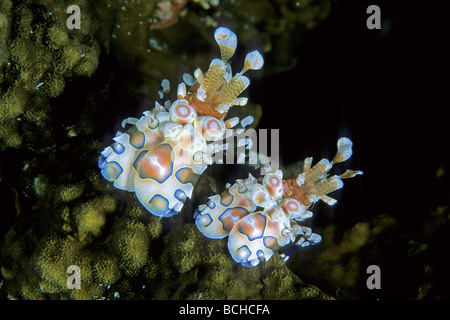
{"x": 74, "y": 20}
{"x": 250, "y": 147}
{"x": 374, "y": 280}
{"x": 374, "y": 20}
{"x": 74, "y": 280}
{"x": 236, "y": 147}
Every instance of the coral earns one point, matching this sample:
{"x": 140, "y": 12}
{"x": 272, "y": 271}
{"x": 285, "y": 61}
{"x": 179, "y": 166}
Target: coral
{"x": 308, "y": 13}
{"x": 40, "y": 185}
{"x": 280, "y": 283}
{"x": 339, "y": 261}
{"x": 331, "y": 258}
{"x": 53, "y": 259}
{"x": 107, "y": 269}
{"x": 194, "y": 267}
{"x": 37, "y": 53}
{"x": 183, "y": 251}
{"x": 206, "y": 4}
{"x": 132, "y": 243}
{"x": 166, "y": 13}
{"x": 72, "y": 192}
{"x": 90, "y": 216}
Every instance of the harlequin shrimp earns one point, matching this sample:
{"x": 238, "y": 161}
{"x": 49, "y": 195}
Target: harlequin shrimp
{"x": 161, "y": 156}
{"x": 255, "y": 236}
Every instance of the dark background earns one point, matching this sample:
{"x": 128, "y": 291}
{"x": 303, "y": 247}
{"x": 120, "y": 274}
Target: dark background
{"x": 387, "y": 91}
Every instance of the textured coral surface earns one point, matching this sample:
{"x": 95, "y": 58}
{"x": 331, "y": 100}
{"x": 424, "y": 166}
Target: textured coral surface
{"x": 63, "y": 94}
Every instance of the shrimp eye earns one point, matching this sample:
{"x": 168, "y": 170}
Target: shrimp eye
{"x": 181, "y": 112}
{"x": 213, "y": 129}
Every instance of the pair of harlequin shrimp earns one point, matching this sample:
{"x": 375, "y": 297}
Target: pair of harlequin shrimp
{"x": 255, "y": 235}
{"x": 163, "y": 153}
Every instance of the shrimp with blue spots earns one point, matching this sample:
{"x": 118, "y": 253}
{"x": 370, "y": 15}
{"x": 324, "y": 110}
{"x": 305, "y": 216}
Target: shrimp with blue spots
{"x": 161, "y": 155}
{"x": 260, "y": 216}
